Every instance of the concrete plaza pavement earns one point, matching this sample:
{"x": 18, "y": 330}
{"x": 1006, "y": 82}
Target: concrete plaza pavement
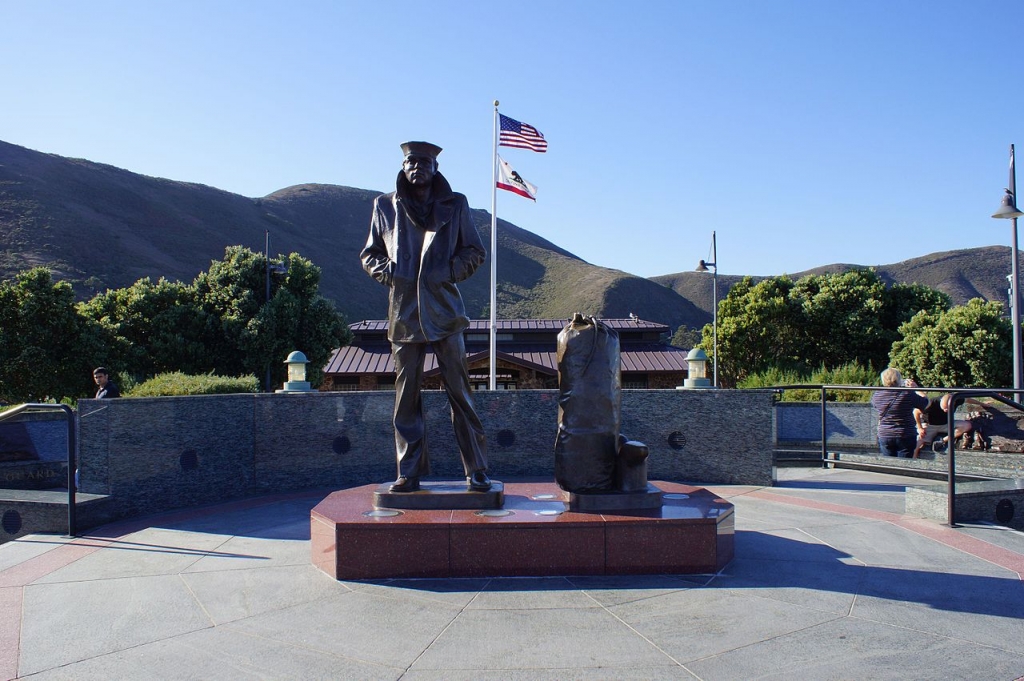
{"x": 831, "y": 581}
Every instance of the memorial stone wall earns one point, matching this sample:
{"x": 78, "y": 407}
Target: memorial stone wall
{"x": 156, "y": 454}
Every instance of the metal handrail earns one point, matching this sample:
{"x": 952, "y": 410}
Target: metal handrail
{"x": 72, "y": 464}
{"x": 957, "y": 396}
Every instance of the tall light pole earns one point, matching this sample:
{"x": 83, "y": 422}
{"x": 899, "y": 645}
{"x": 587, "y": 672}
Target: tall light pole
{"x": 276, "y": 268}
{"x": 266, "y": 300}
{"x": 1008, "y": 210}
{"x": 703, "y": 266}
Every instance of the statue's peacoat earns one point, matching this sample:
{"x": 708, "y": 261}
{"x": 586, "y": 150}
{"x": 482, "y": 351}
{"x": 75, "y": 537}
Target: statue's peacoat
{"x": 423, "y": 263}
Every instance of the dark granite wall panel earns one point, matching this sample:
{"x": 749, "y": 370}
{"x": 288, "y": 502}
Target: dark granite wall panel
{"x": 175, "y": 452}
{"x": 853, "y": 423}
{"x": 155, "y": 454}
{"x": 703, "y": 436}
{"x": 94, "y": 445}
{"x": 323, "y": 440}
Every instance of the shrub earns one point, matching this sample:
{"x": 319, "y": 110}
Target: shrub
{"x": 177, "y": 383}
{"x": 848, "y": 374}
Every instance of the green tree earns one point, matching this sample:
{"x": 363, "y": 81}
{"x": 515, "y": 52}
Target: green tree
{"x": 152, "y": 328}
{"x": 822, "y": 321}
{"x": 233, "y": 292}
{"x": 965, "y": 346}
{"x": 757, "y": 329}
{"x": 686, "y": 338}
{"x": 903, "y": 301}
{"x": 841, "y": 319}
{"x": 222, "y": 323}
{"x": 46, "y": 350}
{"x": 255, "y": 333}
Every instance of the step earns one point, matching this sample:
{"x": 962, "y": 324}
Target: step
{"x": 995, "y": 501}
{"x": 45, "y": 511}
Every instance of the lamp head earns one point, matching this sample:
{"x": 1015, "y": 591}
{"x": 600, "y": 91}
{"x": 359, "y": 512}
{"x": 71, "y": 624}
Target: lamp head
{"x": 1008, "y": 208}
{"x": 702, "y": 266}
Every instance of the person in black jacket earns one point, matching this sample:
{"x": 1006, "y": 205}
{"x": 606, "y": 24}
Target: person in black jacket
{"x": 106, "y": 388}
{"x": 933, "y": 421}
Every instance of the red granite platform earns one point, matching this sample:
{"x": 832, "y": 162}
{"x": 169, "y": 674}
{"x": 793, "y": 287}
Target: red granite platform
{"x": 693, "y": 532}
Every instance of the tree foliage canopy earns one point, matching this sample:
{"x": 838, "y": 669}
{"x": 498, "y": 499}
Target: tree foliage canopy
{"x": 685, "y": 337}
{"x": 821, "y": 321}
{"x": 46, "y": 348}
{"x": 966, "y": 346}
{"x": 222, "y": 323}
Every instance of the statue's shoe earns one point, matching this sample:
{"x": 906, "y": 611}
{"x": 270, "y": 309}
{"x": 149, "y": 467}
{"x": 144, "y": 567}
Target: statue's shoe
{"x": 478, "y": 482}
{"x": 406, "y": 484}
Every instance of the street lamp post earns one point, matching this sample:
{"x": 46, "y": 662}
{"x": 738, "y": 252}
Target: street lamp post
{"x": 703, "y": 266}
{"x": 276, "y": 268}
{"x": 266, "y": 382}
{"x": 1008, "y": 210}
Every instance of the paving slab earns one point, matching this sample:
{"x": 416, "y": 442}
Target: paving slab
{"x": 288, "y": 519}
{"x": 70, "y": 621}
{"x": 831, "y": 589}
{"x": 889, "y": 500}
{"x": 154, "y": 551}
{"x": 793, "y": 543}
{"x": 831, "y": 580}
{"x": 851, "y": 648}
{"x": 997, "y": 535}
{"x": 983, "y": 609}
{"x": 552, "y": 674}
{"x": 617, "y": 589}
{"x": 536, "y": 639}
{"x": 248, "y": 553}
{"x": 220, "y": 653}
{"x": 365, "y": 627}
{"x": 231, "y": 595}
{"x": 541, "y": 593}
{"x": 456, "y": 592}
{"x": 698, "y": 623}
{"x": 24, "y": 548}
{"x": 761, "y": 515}
{"x": 885, "y": 544}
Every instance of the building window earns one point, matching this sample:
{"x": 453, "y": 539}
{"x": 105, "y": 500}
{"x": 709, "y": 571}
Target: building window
{"x": 345, "y": 384}
{"x": 634, "y": 382}
{"x": 501, "y": 381}
{"x": 486, "y": 337}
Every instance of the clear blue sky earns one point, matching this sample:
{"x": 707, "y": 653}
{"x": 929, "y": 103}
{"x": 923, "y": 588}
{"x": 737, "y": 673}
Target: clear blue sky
{"x": 805, "y": 132}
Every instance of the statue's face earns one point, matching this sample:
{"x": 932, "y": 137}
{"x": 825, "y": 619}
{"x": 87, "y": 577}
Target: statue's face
{"x": 419, "y": 170}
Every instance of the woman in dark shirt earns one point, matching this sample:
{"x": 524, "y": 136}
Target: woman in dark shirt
{"x": 897, "y": 429}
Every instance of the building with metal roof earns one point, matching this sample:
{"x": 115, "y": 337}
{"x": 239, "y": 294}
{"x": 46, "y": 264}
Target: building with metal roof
{"x": 526, "y": 356}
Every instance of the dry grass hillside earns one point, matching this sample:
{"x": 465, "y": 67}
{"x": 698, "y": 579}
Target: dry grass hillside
{"x": 101, "y": 227}
{"x": 963, "y": 275}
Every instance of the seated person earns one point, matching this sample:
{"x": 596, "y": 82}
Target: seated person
{"x": 932, "y": 422}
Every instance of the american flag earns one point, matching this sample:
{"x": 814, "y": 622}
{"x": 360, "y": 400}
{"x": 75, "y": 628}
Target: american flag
{"x": 520, "y": 135}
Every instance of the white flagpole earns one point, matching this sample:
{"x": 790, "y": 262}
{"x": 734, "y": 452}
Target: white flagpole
{"x": 492, "y": 382}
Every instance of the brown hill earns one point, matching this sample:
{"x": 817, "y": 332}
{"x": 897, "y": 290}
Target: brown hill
{"x": 963, "y": 275}
{"x": 101, "y": 227}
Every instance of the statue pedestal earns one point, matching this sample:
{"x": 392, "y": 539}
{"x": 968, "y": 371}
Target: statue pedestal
{"x": 433, "y": 496}
{"x": 615, "y": 501}
{"x": 533, "y": 534}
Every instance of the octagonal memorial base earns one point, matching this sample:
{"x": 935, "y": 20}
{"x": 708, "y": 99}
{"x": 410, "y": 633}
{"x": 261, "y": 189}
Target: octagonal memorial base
{"x": 533, "y": 534}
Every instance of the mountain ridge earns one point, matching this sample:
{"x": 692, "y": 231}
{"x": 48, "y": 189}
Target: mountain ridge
{"x": 99, "y": 226}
